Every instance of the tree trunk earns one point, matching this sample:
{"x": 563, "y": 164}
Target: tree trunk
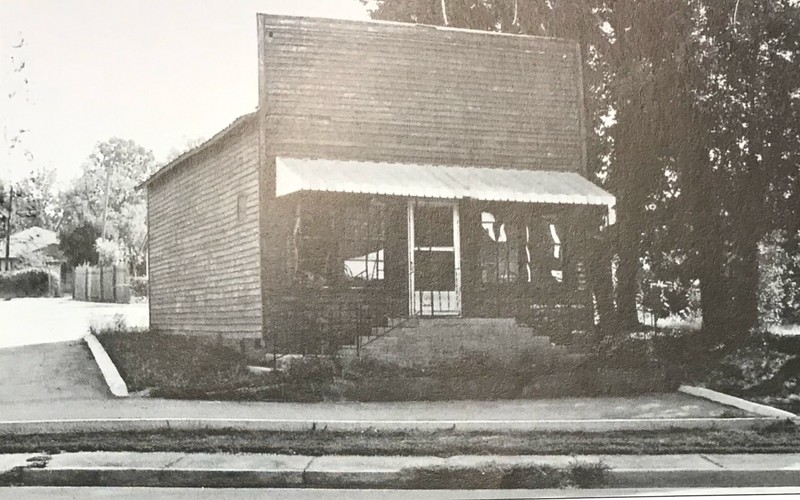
{"x": 632, "y": 185}
{"x": 627, "y": 272}
{"x": 702, "y": 212}
{"x": 598, "y": 260}
{"x": 745, "y": 313}
{"x": 630, "y": 205}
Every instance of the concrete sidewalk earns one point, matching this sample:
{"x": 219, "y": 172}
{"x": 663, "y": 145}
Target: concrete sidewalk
{"x": 263, "y": 470}
{"x": 646, "y": 412}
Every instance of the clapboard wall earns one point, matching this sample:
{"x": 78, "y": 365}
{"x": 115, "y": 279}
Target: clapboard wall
{"x": 419, "y": 94}
{"x": 203, "y": 228}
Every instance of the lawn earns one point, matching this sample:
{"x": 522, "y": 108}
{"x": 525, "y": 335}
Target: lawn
{"x": 763, "y": 367}
{"x": 781, "y": 437}
{"x": 187, "y": 367}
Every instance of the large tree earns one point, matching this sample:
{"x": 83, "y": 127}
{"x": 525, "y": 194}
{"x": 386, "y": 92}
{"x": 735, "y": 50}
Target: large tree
{"x": 105, "y": 194}
{"x": 751, "y": 97}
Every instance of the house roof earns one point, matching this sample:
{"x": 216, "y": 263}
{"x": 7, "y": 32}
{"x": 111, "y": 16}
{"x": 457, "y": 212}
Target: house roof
{"x": 222, "y": 134}
{"x": 30, "y": 240}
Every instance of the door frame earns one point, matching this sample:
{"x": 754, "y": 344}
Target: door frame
{"x": 456, "y": 249}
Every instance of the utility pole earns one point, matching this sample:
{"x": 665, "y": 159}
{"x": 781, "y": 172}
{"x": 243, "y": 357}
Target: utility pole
{"x": 105, "y": 205}
{"x": 8, "y": 228}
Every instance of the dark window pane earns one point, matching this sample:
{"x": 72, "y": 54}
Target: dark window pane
{"x": 499, "y": 250}
{"x": 433, "y": 226}
{"x": 363, "y": 247}
{"x": 434, "y": 271}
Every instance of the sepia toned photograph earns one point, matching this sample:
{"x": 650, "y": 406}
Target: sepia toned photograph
{"x": 450, "y": 249}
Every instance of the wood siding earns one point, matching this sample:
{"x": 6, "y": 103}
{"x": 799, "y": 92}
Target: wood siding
{"x": 410, "y": 93}
{"x": 205, "y": 263}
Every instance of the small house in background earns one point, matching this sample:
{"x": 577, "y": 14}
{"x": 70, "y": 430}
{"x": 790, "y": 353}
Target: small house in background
{"x": 393, "y": 176}
{"x": 32, "y": 247}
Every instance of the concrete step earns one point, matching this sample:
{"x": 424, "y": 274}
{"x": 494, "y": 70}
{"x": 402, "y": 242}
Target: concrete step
{"x": 452, "y": 321}
{"x": 423, "y": 340}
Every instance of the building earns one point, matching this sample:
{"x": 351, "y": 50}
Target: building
{"x": 32, "y": 247}
{"x": 391, "y": 171}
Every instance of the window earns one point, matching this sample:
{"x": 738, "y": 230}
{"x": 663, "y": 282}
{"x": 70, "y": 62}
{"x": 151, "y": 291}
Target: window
{"x": 312, "y": 241}
{"x": 241, "y": 208}
{"x": 544, "y": 254}
{"x": 341, "y": 245}
{"x": 499, "y": 250}
{"x": 364, "y": 241}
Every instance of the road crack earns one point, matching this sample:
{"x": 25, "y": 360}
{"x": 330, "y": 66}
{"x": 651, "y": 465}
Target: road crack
{"x": 303, "y": 476}
{"x": 713, "y": 462}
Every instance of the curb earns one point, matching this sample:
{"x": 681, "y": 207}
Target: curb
{"x": 686, "y": 478}
{"x": 463, "y": 472}
{"x": 111, "y": 375}
{"x": 742, "y": 404}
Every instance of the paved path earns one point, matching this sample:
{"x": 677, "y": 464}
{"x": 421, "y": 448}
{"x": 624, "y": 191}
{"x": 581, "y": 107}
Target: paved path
{"x": 46, "y": 376}
{"x": 27, "y": 321}
{"x": 654, "y": 411}
{"x": 650, "y": 406}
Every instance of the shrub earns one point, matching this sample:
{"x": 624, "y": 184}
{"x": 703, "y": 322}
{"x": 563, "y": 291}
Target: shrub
{"x": 139, "y": 286}
{"x": 176, "y": 366}
{"x": 29, "y": 283}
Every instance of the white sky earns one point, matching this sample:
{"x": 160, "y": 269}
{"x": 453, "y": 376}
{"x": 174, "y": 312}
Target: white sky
{"x": 160, "y": 72}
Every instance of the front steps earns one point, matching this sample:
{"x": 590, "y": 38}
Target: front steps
{"x": 420, "y": 342}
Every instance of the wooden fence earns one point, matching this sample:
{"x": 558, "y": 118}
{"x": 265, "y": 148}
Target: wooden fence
{"x": 102, "y": 284}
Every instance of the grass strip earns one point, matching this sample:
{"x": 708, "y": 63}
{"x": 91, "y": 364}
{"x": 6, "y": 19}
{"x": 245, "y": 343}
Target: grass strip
{"x": 781, "y": 437}
{"x": 494, "y": 476}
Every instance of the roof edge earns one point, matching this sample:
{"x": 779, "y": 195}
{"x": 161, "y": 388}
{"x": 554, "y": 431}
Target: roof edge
{"x": 401, "y": 24}
{"x": 222, "y": 134}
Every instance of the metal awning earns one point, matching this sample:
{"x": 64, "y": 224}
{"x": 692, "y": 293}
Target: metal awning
{"x": 436, "y": 181}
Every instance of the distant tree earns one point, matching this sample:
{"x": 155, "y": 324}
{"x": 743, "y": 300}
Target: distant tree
{"x": 11, "y": 123}
{"x": 109, "y": 252}
{"x": 187, "y": 146}
{"x": 36, "y": 201}
{"x": 15, "y": 154}
{"x": 78, "y": 244}
{"x": 105, "y": 195}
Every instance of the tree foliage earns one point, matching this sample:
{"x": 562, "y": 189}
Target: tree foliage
{"x": 121, "y": 165}
{"x": 78, "y": 244}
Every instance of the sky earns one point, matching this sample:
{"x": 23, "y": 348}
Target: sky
{"x": 160, "y": 72}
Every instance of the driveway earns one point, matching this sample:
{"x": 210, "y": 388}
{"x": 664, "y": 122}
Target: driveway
{"x": 28, "y": 321}
{"x": 49, "y": 374}
{"x": 42, "y": 359}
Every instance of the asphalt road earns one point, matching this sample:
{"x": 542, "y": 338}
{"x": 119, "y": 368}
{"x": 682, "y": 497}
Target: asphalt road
{"x": 28, "y": 321}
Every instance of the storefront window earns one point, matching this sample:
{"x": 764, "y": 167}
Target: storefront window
{"x": 544, "y": 256}
{"x": 499, "y": 250}
{"x": 344, "y": 244}
{"x": 364, "y": 242}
